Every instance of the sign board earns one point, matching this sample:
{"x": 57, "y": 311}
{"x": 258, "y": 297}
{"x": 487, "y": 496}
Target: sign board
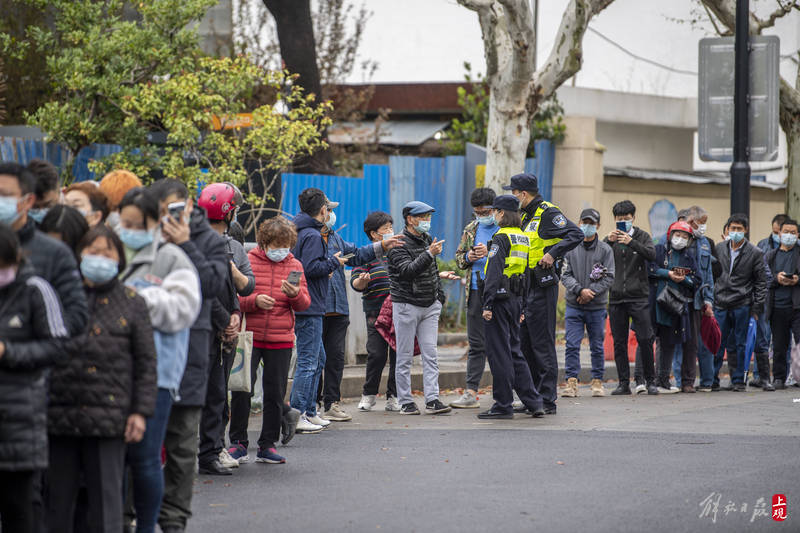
{"x": 715, "y": 98}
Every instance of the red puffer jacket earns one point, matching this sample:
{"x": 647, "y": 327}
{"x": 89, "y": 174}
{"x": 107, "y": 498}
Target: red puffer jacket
{"x": 277, "y": 324}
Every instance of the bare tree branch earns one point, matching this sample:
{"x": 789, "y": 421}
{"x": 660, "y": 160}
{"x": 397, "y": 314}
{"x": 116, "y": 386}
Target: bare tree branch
{"x": 477, "y": 5}
{"x": 566, "y": 56}
{"x": 780, "y": 12}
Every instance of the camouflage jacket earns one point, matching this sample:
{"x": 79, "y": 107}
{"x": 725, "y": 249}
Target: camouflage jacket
{"x": 467, "y": 242}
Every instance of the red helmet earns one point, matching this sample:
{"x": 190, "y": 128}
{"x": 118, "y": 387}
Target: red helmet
{"x": 680, "y": 226}
{"x": 218, "y": 199}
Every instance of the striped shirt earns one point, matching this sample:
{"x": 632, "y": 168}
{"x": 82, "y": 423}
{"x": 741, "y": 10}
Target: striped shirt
{"x": 378, "y": 288}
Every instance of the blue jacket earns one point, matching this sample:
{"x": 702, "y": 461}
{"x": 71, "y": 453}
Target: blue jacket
{"x": 679, "y": 328}
{"x": 337, "y": 288}
{"x": 705, "y": 260}
{"x": 312, "y": 251}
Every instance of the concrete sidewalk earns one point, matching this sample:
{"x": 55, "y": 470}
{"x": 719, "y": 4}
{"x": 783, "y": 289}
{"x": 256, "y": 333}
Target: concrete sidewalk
{"x": 453, "y": 367}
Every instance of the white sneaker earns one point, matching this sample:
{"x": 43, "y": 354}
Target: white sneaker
{"x": 226, "y": 459}
{"x": 641, "y": 388}
{"x": 367, "y": 402}
{"x": 319, "y": 421}
{"x": 517, "y": 404}
{"x": 671, "y": 390}
{"x": 336, "y": 414}
{"x": 304, "y": 425}
{"x": 392, "y": 405}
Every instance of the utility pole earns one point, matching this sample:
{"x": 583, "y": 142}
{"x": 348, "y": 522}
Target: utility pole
{"x": 740, "y": 168}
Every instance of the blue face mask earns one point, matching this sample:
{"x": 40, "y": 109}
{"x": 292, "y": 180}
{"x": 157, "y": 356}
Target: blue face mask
{"x": 488, "y": 220}
{"x": 331, "y": 222}
{"x": 424, "y": 226}
{"x": 628, "y": 225}
{"x": 8, "y": 210}
{"x": 776, "y": 238}
{"x": 99, "y": 269}
{"x": 38, "y": 214}
{"x": 589, "y": 230}
{"x": 736, "y": 236}
{"x": 135, "y": 239}
{"x": 788, "y": 239}
{"x": 276, "y": 255}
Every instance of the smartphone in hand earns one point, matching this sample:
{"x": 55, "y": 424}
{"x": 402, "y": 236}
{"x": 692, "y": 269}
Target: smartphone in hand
{"x": 683, "y": 271}
{"x": 294, "y": 277}
{"x": 176, "y": 209}
{"x": 621, "y": 226}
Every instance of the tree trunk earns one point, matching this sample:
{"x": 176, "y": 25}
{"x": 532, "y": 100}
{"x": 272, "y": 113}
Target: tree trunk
{"x": 793, "y": 174}
{"x": 299, "y": 55}
{"x": 507, "y": 137}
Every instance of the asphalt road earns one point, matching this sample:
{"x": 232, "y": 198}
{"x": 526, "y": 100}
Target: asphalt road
{"x": 602, "y": 464}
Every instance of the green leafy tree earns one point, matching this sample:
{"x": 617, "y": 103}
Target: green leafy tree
{"x": 128, "y": 73}
{"x": 473, "y": 126}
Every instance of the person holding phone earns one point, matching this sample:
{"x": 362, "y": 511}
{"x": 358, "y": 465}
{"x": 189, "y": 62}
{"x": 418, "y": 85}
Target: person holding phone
{"x": 628, "y": 298}
{"x": 471, "y": 256}
{"x": 675, "y": 269}
{"x": 783, "y": 305}
{"x": 269, "y": 311}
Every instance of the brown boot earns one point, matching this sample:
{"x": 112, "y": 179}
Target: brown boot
{"x": 571, "y": 390}
{"x": 597, "y": 388}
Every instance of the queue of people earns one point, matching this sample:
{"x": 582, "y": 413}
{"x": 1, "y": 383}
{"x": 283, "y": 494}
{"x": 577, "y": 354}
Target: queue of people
{"x": 121, "y": 308}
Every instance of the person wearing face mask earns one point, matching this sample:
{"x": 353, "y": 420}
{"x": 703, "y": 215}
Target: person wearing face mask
{"x": 270, "y": 314}
{"x": 337, "y": 311}
{"x": 221, "y": 202}
{"x": 166, "y": 278}
{"x": 46, "y": 192}
{"x": 588, "y": 275}
{"x": 471, "y": 256}
{"x": 675, "y": 272}
{"x": 503, "y": 289}
{"x": 704, "y": 296}
{"x": 417, "y": 300}
{"x": 551, "y": 235}
{"x": 33, "y": 338}
{"x": 372, "y": 281}
{"x": 629, "y": 296}
{"x": 114, "y": 185}
{"x": 773, "y": 241}
{"x": 100, "y": 399}
{"x": 783, "y": 305}
{"x": 87, "y": 198}
{"x": 739, "y": 294}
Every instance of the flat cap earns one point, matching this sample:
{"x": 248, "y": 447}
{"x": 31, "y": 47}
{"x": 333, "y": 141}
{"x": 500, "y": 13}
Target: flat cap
{"x": 416, "y": 208}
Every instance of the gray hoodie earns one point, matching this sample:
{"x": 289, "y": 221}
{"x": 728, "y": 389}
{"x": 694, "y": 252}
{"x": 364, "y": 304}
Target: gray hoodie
{"x": 579, "y": 263}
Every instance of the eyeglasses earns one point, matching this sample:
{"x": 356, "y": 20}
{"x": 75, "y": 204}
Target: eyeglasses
{"x": 482, "y": 212}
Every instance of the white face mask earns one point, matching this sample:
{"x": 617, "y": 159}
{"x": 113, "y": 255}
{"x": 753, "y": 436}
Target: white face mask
{"x": 701, "y": 230}
{"x": 679, "y": 243}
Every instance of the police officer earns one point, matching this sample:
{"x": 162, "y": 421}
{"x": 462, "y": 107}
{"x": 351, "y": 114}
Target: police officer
{"x": 551, "y": 237}
{"x": 504, "y": 289}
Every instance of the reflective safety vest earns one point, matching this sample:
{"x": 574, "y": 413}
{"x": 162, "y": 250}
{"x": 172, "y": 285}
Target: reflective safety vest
{"x": 517, "y": 260}
{"x": 536, "y": 250}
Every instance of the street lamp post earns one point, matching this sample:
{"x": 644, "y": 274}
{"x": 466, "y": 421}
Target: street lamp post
{"x": 740, "y": 168}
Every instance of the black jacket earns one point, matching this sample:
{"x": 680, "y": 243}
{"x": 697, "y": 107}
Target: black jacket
{"x": 746, "y": 284}
{"x": 112, "y": 371}
{"x": 55, "y": 262}
{"x": 414, "y": 273}
{"x": 553, "y": 225}
{"x": 35, "y": 336}
{"x": 208, "y": 252}
{"x": 773, "y": 284}
{"x": 630, "y": 268}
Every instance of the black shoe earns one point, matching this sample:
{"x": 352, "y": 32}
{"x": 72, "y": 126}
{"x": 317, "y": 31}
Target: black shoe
{"x": 491, "y": 414}
{"x": 539, "y": 412}
{"x": 624, "y": 388}
{"x": 715, "y": 387}
{"x": 756, "y": 383}
{"x": 409, "y": 409}
{"x": 435, "y": 407}
{"x": 767, "y": 386}
{"x": 289, "y": 425}
{"x": 738, "y": 387}
{"x": 779, "y": 384}
{"x": 215, "y": 468}
{"x": 551, "y": 410}
{"x": 172, "y": 529}
{"x": 652, "y": 389}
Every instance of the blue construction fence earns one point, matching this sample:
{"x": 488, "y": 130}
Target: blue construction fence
{"x": 22, "y": 150}
{"x": 442, "y": 182}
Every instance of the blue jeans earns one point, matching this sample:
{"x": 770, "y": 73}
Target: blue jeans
{"x": 732, "y": 320}
{"x": 677, "y": 363}
{"x": 705, "y": 360}
{"x": 310, "y": 363}
{"x": 144, "y": 460}
{"x": 575, "y": 319}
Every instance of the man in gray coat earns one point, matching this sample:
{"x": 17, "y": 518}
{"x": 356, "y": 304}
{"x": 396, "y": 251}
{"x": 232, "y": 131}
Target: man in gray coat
{"x": 587, "y": 278}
